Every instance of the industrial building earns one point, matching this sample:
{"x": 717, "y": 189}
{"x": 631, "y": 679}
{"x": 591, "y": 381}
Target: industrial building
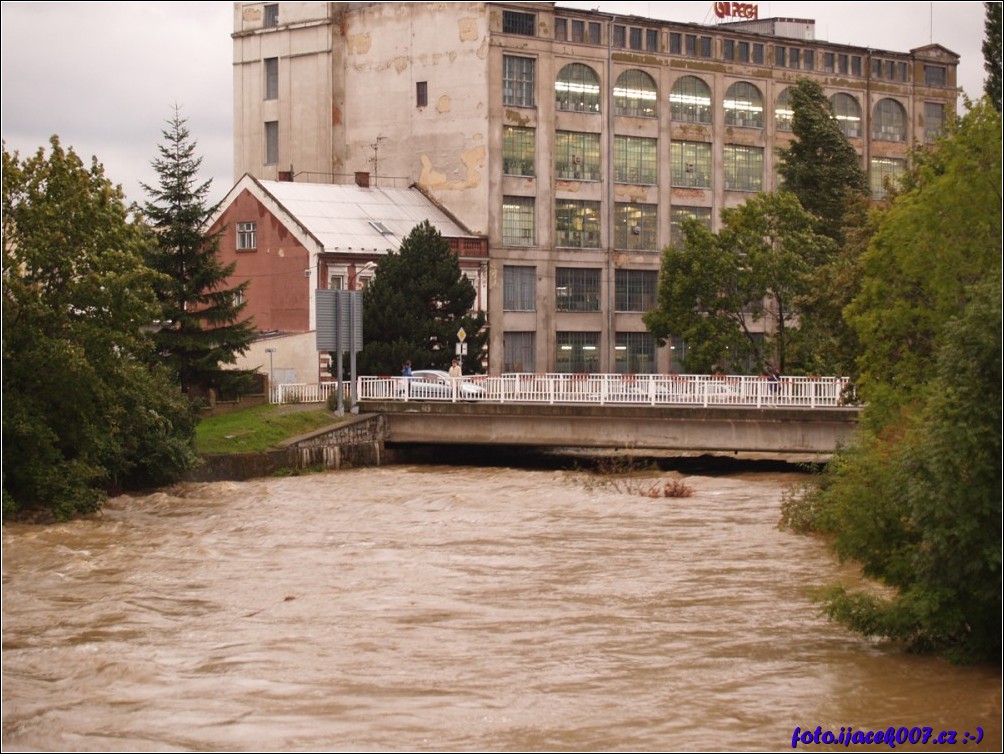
{"x": 572, "y": 143}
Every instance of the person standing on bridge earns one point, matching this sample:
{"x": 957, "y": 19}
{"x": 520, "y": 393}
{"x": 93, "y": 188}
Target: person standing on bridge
{"x": 774, "y": 378}
{"x": 455, "y": 374}
{"x": 406, "y": 369}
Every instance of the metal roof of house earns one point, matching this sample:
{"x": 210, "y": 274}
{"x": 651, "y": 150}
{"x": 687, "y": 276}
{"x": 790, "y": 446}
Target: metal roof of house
{"x": 351, "y": 218}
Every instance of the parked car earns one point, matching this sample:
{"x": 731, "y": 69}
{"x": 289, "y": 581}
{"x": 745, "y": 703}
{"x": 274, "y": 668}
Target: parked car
{"x": 433, "y": 384}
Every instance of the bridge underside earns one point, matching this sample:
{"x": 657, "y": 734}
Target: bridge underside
{"x": 776, "y": 431}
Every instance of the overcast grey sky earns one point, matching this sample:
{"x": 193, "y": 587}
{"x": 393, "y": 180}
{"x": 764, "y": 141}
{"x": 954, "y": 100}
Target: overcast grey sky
{"x": 105, "y": 77}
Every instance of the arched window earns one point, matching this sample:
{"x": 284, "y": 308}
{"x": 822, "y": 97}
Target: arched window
{"x": 743, "y": 105}
{"x": 635, "y": 94}
{"x": 847, "y": 111}
{"x": 889, "y": 121}
{"x": 783, "y": 112}
{"x": 690, "y": 101}
{"x": 577, "y": 89}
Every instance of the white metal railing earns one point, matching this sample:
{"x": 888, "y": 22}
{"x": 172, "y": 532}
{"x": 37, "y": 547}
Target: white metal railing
{"x": 302, "y": 392}
{"x": 614, "y": 389}
{"x": 595, "y": 389}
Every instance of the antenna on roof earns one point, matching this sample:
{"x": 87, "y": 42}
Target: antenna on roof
{"x": 376, "y": 150}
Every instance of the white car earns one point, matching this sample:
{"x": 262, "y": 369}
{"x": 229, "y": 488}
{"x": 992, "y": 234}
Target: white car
{"x": 433, "y": 384}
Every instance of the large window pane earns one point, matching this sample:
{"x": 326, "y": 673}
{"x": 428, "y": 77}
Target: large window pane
{"x": 577, "y": 352}
{"x": 690, "y": 164}
{"x": 678, "y": 214}
{"x": 935, "y": 75}
{"x": 514, "y": 22}
{"x": 889, "y": 121}
{"x": 934, "y": 120}
{"x": 518, "y": 351}
{"x": 743, "y": 167}
{"x": 885, "y": 169}
{"x": 518, "y": 150}
{"x": 577, "y": 224}
{"x": 271, "y": 78}
{"x": 634, "y": 353}
{"x": 635, "y": 94}
{"x": 690, "y": 101}
{"x": 848, "y": 114}
{"x": 517, "y": 81}
{"x": 519, "y": 285}
{"x": 518, "y": 221}
{"x": 635, "y": 160}
{"x": 272, "y": 142}
{"x": 783, "y": 112}
{"x": 743, "y": 105}
{"x": 577, "y": 156}
{"x": 577, "y": 89}
{"x": 635, "y": 226}
{"x": 576, "y": 289}
{"x": 635, "y": 290}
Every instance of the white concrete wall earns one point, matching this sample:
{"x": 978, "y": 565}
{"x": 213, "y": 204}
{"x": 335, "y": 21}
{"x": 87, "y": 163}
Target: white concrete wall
{"x": 295, "y": 358}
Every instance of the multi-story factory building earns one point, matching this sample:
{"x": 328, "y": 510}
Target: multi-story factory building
{"x": 574, "y": 141}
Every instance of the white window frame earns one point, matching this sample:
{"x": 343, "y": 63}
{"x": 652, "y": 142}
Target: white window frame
{"x": 247, "y": 236}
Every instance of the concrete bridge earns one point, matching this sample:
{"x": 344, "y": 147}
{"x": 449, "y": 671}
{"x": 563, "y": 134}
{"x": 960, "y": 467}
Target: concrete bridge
{"x": 777, "y": 432}
{"x": 793, "y": 418}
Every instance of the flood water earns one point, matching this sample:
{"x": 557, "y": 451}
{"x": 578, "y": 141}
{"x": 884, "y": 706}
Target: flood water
{"x": 445, "y": 608}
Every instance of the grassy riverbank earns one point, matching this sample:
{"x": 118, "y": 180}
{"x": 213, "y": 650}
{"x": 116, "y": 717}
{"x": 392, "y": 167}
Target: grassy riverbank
{"x": 258, "y": 428}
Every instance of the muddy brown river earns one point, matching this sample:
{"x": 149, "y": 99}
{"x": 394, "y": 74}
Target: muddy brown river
{"x": 419, "y": 608}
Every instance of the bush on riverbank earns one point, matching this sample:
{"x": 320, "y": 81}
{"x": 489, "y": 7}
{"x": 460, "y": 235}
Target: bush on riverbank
{"x": 916, "y": 500}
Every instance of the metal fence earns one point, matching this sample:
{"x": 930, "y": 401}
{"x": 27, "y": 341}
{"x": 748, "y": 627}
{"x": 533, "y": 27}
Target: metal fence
{"x": 302, "y": 392}
{"x": 593, "y": 389}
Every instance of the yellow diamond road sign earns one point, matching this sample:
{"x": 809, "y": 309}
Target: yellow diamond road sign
{"x": 461, "y": 335}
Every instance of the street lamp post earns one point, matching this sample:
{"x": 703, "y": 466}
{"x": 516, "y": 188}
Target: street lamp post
{"x": 271, "y": 372}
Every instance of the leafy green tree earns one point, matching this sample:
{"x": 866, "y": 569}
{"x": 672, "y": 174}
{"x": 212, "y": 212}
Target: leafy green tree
{"x": 716, "y": 287}
{"x": 820, "y": 166}
{"x": 824, "y": 342}
{"x": 84, "y": 409}
{"x": 992, "y": 58}
{"x": 919, "y": 505}
{"x": 416, "y": 304}
{"x": 940, "y": 236}
{"x": 916, "y": 499}
{"x": 203, "y": 314}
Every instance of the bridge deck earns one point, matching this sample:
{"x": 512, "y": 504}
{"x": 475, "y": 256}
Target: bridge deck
{"x": 713, "y": 429}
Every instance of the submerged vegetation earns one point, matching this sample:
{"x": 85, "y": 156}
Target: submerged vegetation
{"x": 629, "y": 477}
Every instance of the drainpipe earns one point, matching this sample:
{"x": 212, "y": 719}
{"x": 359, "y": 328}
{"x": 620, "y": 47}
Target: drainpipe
{"x": 608, "y": 216}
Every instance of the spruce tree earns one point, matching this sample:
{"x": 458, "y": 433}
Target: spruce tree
{"x": 415, "y": 305}
{"x": 992, "y": 61}
{"x": 820, "y": 167}
{"x": 202, "y": 328}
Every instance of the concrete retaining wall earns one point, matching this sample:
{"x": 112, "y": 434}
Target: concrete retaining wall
{"x": 357, "y": 442}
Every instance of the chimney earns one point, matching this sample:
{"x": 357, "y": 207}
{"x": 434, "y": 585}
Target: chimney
{"x": 363, "y": 180}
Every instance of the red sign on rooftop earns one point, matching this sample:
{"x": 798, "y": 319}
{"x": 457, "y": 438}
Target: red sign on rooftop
{"x": 737, "y": 10}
